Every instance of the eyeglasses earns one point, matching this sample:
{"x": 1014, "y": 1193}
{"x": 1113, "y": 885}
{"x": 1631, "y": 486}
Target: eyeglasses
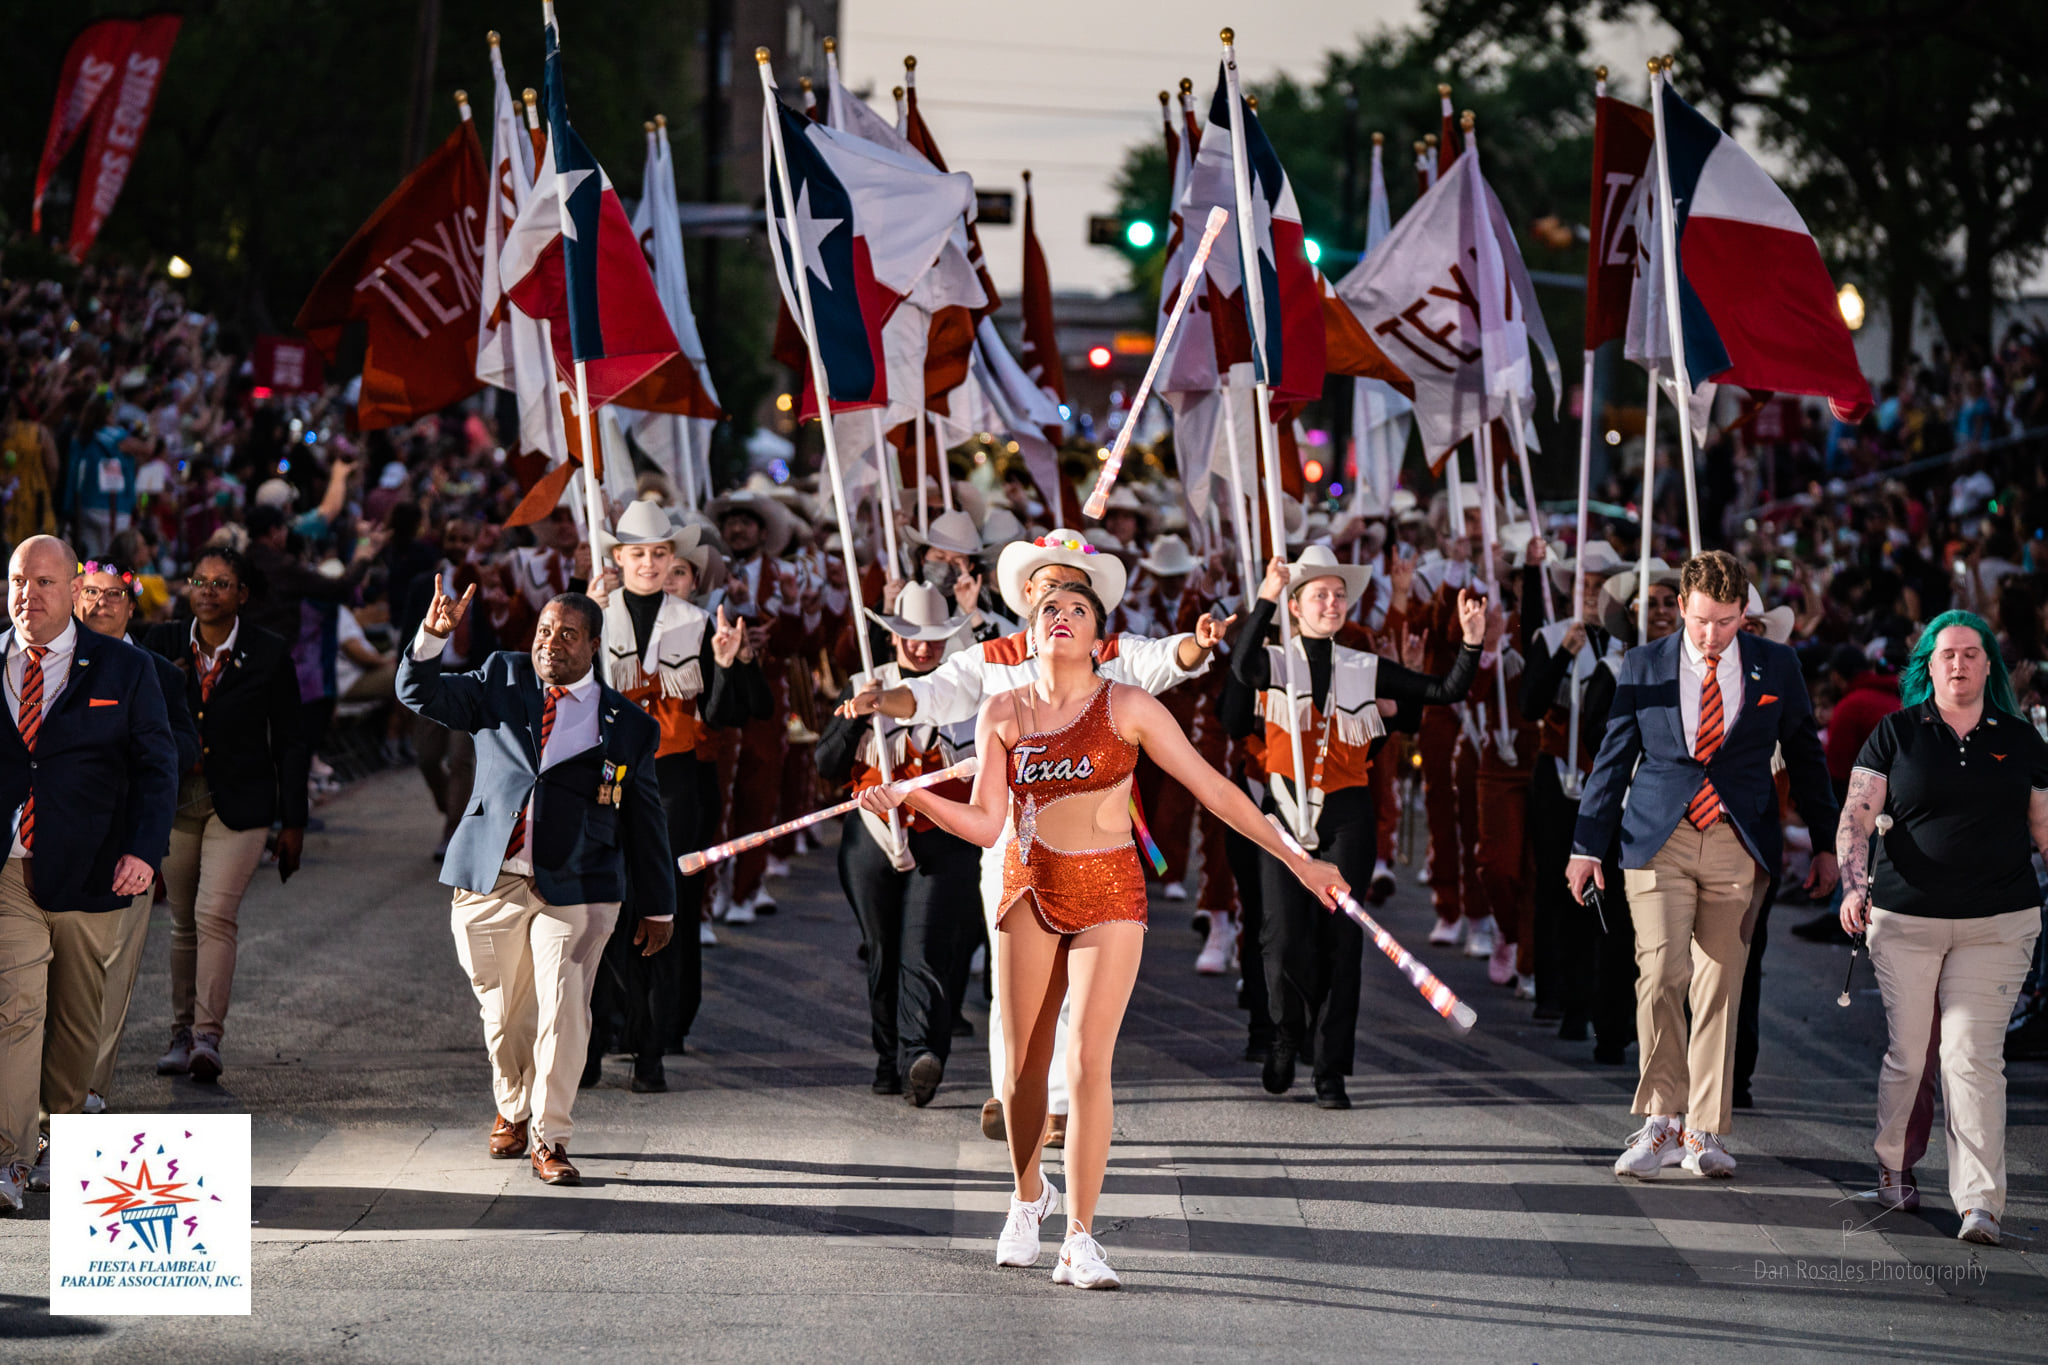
{"x": 212, "y": 584}
{"x": 97, "y": 594}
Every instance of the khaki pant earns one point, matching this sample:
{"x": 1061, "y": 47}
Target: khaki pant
{"x": 52, "y": 966}
{"x": 532, "y": 966}
{"x": 205, "y": 873}
{"x": 130, "y": 933}
{"x": 1693, "y": 907}
{"x": 1956, "y": 980}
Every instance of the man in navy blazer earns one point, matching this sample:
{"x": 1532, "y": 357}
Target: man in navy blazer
{"x": 88, "y": 777}
{"x": 1685, "y": 772}
{"x": 564, "y": 823}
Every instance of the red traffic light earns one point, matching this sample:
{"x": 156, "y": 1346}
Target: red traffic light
{"x": 1098, "y": 357}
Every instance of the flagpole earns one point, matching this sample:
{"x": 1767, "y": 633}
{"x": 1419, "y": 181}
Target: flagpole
{"x": 1648, "y": 525}
{"x": 1667, "y": 236}
{"x": 1489, "y": 542}
{"x": 1247, "y": 546}
{"x": 821, "y": 382}
{"x": 1518, "y": 438}
{"x": 885, "y": 496}
{"x": 1262, "y": 392}
{"x": 1584, "y": 526}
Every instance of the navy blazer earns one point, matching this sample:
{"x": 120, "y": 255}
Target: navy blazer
{"x": 184, "y": 731}
{"x": 1645, "y": 775}
{"x": 105, "y": 771}
{"x": 582, "y": 852}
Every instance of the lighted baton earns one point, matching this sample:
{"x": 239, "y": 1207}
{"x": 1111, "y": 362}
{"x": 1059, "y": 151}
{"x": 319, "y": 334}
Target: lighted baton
{"x": 692, "y": 863}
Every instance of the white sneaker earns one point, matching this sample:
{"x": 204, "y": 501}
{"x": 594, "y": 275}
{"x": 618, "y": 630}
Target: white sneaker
{"x": 1704, "y": 1155}
{"x": 721, "y": 904}
{"x": 39, "y": 1174}
{"x": 741, "y": 911}
{"x": 1082, "y": 1266}
{"x": 1448, "y": 933}
{"x": 1896, "y": 1190}
{"x": 1019, "y": 1244}
{"x": 1422, "y": 875}
{"x": 1481, "y": 940}
{"x": 1525, "y": 986}
{"x": 13, "y": 1181}
{"x": 1978, "y": 1226}
{"x": 1500, "y": 966}
{"x": 704, "y": 934}
{"x": 1214, "y": 959}
{"x": 777, "y": 867}
{"x": 1652, "y": 1147}
{"x": 95, "y": 1103}
{"x": 1382, "y": 884}
{"x": 1174, "y": 891}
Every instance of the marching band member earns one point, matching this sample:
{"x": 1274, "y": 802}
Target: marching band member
{"x": 914, "y": 900}
{"x": 1450, "y": 789}
{"x": 1506, "y": 762}
{"x": 691, "y": 672}
{"x": 1312, "y": 958}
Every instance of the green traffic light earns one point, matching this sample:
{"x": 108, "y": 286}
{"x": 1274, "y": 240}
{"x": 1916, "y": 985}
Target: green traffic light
{"x": 1139, "y": 234}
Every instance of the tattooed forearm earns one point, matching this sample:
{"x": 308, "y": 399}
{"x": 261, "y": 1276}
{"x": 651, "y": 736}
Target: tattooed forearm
{"x": 1860, "y": 810}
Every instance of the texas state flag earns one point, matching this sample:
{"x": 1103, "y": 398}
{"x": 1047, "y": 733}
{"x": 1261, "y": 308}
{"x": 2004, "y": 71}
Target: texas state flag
{"x": 583, "y": 269}
{"x": 869, "y": 223}
{"x": 1757, "y": 307}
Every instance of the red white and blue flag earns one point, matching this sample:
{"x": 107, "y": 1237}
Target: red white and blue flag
{"x": 1756, "y": 305}
{"x": 868, "y": 224}
{"x": 583, "y": 269}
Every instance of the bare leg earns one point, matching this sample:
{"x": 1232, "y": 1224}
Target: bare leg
{"x": 1102, "y": 965}
{"x": 1032, "y": 982}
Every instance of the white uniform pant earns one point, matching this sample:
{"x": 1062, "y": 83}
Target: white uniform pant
{"x": 991, "y": 898}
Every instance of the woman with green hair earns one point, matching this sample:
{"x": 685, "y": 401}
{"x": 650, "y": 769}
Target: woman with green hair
{"x": 1955, "y": 786}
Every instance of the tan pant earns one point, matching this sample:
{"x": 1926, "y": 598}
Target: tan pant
{"x": 130, "y": 933}
{"x": 532, "y": 966}
{"x": 52, "y": 966}
{"x": 1693, "y": 907}
{"x": 205, "y": 873}
{"x": 1968, "y": 973}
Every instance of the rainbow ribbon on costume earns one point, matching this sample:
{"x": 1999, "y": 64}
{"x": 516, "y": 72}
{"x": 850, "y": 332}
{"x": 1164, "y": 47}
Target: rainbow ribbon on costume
{"x": 1145, "y": 842}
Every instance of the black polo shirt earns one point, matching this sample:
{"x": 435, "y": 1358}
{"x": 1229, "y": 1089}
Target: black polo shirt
{"x": 1960, "y": 846}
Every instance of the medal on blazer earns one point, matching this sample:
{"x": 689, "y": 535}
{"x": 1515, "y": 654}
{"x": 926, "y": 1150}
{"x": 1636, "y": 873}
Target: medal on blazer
{"x": 611, "y": 787}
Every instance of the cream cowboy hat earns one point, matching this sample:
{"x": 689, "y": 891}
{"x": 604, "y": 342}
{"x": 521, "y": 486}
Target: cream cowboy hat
{"x": 1318, "y": 561}
{"x": 1170, "y": 558}
{"x": 697, "y": 546}
{"x": 1122, "y": 499}
{"x": 1104, "y": 572}
{"x": 1620, "y": 589}
{"x": 644, "y": 523}
{"x": 1777, "y": 621}
{"x": 1001, "y": 528}
{"x": 953, "y": 531}
{"x": 1602, "y": 561}
{"x": 777, "y": 524}
{"x": 922, "y": 613}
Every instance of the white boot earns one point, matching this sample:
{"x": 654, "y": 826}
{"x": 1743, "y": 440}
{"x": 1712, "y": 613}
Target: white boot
{"x": 1214, "y": 959}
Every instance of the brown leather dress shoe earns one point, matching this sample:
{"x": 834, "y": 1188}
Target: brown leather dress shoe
{"x": 1055, "y": 1131}
{"x": 551, "y": 1165}
{"x": 508, "y": 1140}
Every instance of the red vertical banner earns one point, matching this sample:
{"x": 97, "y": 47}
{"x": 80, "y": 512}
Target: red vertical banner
{"x": 89, "y": 70}
{"x": 1622, "y": 141}
{"x": 122, "y": 114}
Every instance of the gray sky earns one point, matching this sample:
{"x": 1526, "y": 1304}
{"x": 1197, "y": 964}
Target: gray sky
{"x": 1064, "y": 87}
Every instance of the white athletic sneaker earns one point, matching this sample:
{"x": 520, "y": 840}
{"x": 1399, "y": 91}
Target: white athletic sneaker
{"x": 39, "y": 1174}
{"x": 1481, "y": 940}
{"x": 1019, "y": 1243}
{"x": 777, "y": 867}
{"x": 1382, "y": 884}
{"x": 1448, "y": 933}
{"x": 1500, "y": 966}
{"x": 95, "y": 1103}
{"x": 1215, "y": 955}
{"x": 741, "y": 911}
{"x": 1422, "y": 875}
{"x": 1652, "y": 1147}
{"x": 721, "y": 903}
{"x": 1174, "y": 891}
{"x": 1081, "y": 1264}
{"x": 1896, "y": 1190}
{"x": 1979, "y": 1226}
{"x": 13, "y": 1181}
{"x": 1525, "y": 986}
{"x": 704, "y": 934}
{"x": 1704, "y": 1155}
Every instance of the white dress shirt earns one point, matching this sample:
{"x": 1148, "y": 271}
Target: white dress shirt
{"x": 56, "y": 672}
{"x": 1692, "y": 677}
{"x": 208, "y": 656}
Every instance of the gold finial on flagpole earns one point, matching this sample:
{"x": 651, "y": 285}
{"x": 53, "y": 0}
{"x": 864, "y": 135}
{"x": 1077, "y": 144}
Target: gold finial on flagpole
{"x": 1187, "y": 86}
{"x": 661, "y": 120}
{"x": 1420, "y": 146}
{"x": 910, "y": 63}
{"x": 1379, "y": 139}
{"x": 1229, "y": 37}
{"x": 492, "y": 36}
{"x": 1163, "y": 100}
{"x": 1253, "y": 102}
{"x": 649, "y": 125}
{"x": 897, "y": 92}
{"x": 805, "y": 82}
{"x": 1655, "y": 65}
{"x": 1443, "y": 89}
{"x": 1599, "y": 73}
{"x": 831, "y": 46}
{"x": 1429, "y": 139}
{"x": 761, "y": 56}
{"x": 1465, "y": 121}
{"x": 461, "y": 98}
{"x": 529, "y": 97}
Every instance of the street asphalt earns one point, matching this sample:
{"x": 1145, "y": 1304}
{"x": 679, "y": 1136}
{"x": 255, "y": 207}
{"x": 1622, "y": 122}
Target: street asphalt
{"x": 769, "y": 1207}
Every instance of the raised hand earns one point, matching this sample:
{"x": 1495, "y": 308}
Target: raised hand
{"x": 967, "y": 593}
{"x": 444, "y": 613}
{"x": 864, "y": 701}
{"x": 1275, "y": 582}
{"x": 1401, "y": 577}
{"x": 1472, "y": 615}
{"x": 1412, "y": 650}
{"x": 728, "y": 640}
{"x": 1210, "y": 629}
{"x": 1574, "y": 637}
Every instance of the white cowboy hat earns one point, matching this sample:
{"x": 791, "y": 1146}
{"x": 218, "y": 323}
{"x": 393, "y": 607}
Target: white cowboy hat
{"x": 966, "y": 498}
{"x": 644, "y": 523}
{"x": 1318, "y": 561}
{"x": 1001, "y": 528}
{"x": 1620, "y": 589}
{"x": 1123, "y": 499}
{"x": 1515, "y": 538}
{"x": 1293, "y": 519}
{"x": 777, "y": 525}
{"x": 1170, "y": 558}
{"x": 1104, "y": 572}
{"x": 922, "y": 613}
{"x": 1602, "y": 561}
{"x": 953, "y": 531}
{"x": 1777, "y": 621}
{"x": 697, "y": 545}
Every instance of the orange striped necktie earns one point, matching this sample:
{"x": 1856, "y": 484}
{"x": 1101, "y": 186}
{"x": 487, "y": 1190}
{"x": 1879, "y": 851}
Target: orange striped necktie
{"x": 1706, "y": 803}
{"x": 30, "y": 722}
{"x": 547, "y": 727}
{"x": 209, "y": 675}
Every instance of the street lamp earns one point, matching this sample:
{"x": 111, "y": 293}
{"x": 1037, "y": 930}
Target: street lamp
{"x": 179, "y": 268}
{"x": 1850, "y": 301}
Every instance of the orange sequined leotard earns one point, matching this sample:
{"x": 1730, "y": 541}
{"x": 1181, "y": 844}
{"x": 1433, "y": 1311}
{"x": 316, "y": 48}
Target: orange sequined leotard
{"x": 1072, "y": 889}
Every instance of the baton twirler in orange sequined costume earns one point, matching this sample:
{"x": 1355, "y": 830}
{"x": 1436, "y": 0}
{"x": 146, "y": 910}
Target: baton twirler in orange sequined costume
{"x": 1079, "y": 888}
